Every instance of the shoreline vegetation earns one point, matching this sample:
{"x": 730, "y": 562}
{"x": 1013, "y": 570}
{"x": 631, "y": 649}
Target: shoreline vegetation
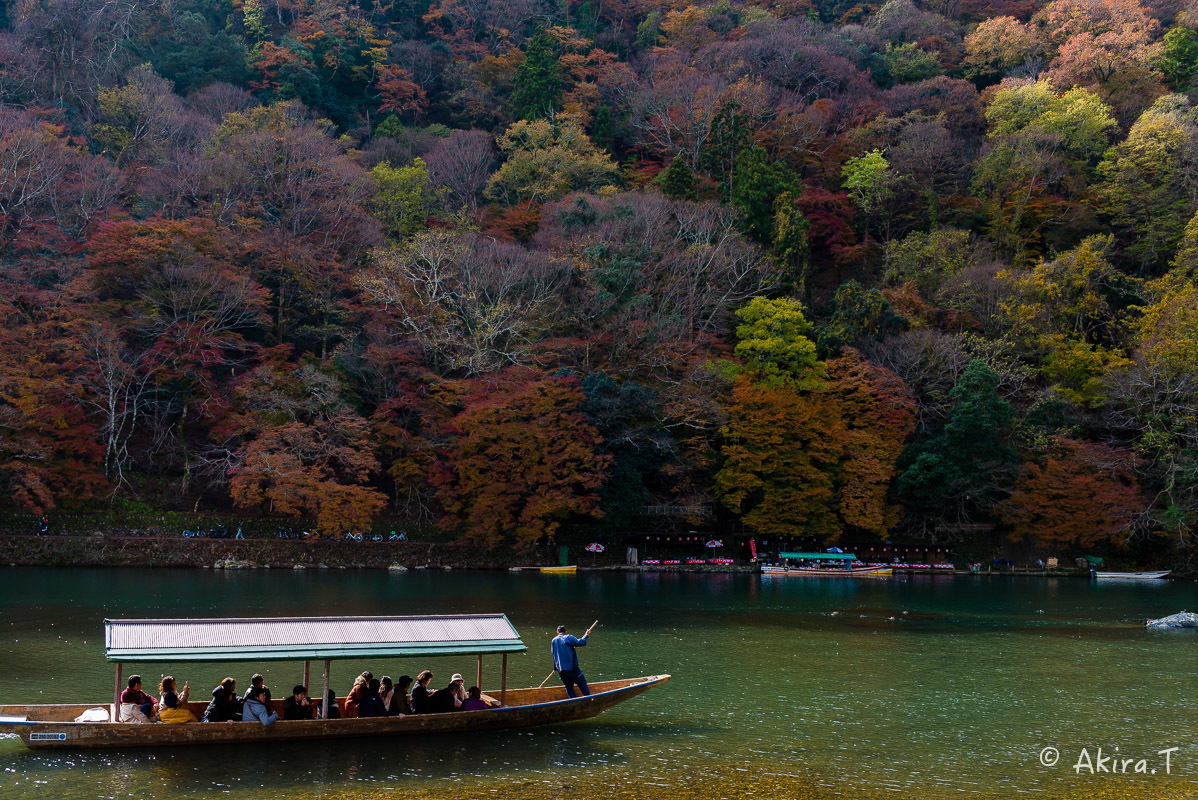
{"x": 97, "y": 549}
{"x": 210, "y": 540}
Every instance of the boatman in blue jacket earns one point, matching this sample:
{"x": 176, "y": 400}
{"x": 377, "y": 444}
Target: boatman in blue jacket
{"x": 565, "y": 660}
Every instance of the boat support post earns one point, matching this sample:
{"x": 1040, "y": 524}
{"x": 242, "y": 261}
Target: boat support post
{"x": 324, "y": 698}
{"x": 479, "y": 682}
{"x": 307, "y": 676}
{"x": 116, "y": 695}
{"x": 503, "y": 684}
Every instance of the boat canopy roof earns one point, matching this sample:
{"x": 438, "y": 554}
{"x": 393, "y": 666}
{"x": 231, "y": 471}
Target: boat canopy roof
{"x": 307, "y": 638}
{"x": 837, "y": 556}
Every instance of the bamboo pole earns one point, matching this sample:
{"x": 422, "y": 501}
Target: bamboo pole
{"x": 479, "y": 681}
{"x": 503, "y": 684}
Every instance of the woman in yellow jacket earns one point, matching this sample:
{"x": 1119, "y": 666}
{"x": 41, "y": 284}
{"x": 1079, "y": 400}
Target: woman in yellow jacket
{"x": 173, "y": 709}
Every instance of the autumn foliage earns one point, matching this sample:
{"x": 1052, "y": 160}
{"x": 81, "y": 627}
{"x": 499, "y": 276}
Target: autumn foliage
{"x": 1081, "y": 494}
{"x": 523, "y": 459}
{"x": 800, "y": 269}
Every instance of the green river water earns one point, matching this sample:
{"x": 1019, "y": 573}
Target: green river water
{"x": 928, "y": 687}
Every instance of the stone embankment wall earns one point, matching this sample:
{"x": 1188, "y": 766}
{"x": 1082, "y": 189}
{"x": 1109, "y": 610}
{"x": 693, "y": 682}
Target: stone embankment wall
{"x": 100, "y": 550}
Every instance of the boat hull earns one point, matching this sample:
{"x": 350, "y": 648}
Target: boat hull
{"x": 1131, "y": 576}
{"x": 50, "y": 727}
{"x": 854, "y": 572}
{"x": 559, "y": 570}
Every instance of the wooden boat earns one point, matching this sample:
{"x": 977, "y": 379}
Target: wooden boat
{"x": 1131, "y": 576}
{"x": 50, "y": 726}
{"x": 308, "y": 638}
{"x": 823, "y": 565}
{"x": 834, "y": 572}
{"x": 570, "y": 570}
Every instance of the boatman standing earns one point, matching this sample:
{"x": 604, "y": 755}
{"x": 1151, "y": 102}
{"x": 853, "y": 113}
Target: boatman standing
{"x": 565, "y": 660}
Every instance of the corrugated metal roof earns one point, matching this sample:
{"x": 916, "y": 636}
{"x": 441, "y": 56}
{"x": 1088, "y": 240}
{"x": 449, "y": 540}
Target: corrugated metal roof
{"x": 279, "y": 638}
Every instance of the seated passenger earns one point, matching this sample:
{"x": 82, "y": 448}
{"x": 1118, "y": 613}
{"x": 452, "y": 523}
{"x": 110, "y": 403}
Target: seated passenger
{"x": 403, "y": 696}
{"x": 354, "y": 699}
{"x": 387, "y": 693}
{"x": 136, "y": 705}
{"x": 255, "y": 707}
{"x": 450, "y": 698}
{"x": 174, "y": 709}
{"x": 334, "y": 709}
{"x": 372, "y": 701}
{"x": 256, "y": 682}
{"x": 474, "y": 700}
{"x": 224, "y": 706}
{"x": 297, "y": 706}
{"x": 421, "y": 696}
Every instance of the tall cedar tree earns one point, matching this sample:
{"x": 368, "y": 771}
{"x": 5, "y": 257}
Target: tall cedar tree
{"x": 538, "y": 80}
{"x": 956, "y": 473}
{"x": 792, "y": 252}
{"x": 756, "y": 184}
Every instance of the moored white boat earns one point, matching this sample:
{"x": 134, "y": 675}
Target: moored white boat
{"x": 1132, "y": 576}
{"x": 818, "y": 572}
{"x": 823, "y": 565}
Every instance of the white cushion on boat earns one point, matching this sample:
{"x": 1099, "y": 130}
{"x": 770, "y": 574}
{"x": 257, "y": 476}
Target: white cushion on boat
{"x": 18, "y": 719}
{"x": 93, "y": 715}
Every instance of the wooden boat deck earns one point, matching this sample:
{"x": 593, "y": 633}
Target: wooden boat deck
{"x": 52, "y": 726}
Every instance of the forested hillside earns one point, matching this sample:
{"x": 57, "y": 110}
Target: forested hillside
{"x": 841, "y": 269}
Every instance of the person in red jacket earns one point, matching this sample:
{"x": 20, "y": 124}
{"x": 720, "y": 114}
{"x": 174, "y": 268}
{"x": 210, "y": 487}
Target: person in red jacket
{"x": 134, "y": 699}
{"x": 353, "y": 700}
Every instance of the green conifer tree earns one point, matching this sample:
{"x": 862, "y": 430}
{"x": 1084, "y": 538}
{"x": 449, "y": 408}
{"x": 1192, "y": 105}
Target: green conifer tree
{"x": 677, "y": 180}
{"x": 961, "y": 470}
{"x": 728, "y": 137}
{"x": 792, "y": 252}
{"x": 756, "y": 184}
{"x": 391, "y": 127}
{"x": 603, "y": 129}
{"x": 538, "y": 80}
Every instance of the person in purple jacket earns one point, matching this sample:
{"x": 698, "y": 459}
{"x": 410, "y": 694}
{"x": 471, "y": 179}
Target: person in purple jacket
{"x": 565, "y": 660}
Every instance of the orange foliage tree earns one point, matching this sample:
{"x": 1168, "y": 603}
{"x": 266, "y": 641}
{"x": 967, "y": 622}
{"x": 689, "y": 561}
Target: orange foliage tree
{"x": 49, "y": 453}
{"x": 319, "y": 470}
{"x": 878, "y": 410}
{"x": 399, "y": 92}
{"x": 782, "y": 447}
{"x": 522, "y": 457}
{"x": 1082, "y": 494}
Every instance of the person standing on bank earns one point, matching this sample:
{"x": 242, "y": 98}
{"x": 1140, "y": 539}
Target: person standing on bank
{"x": 565, "y": 660}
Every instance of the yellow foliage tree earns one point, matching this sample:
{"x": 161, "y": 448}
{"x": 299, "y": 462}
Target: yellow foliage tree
{"x": 547, "y": 159}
